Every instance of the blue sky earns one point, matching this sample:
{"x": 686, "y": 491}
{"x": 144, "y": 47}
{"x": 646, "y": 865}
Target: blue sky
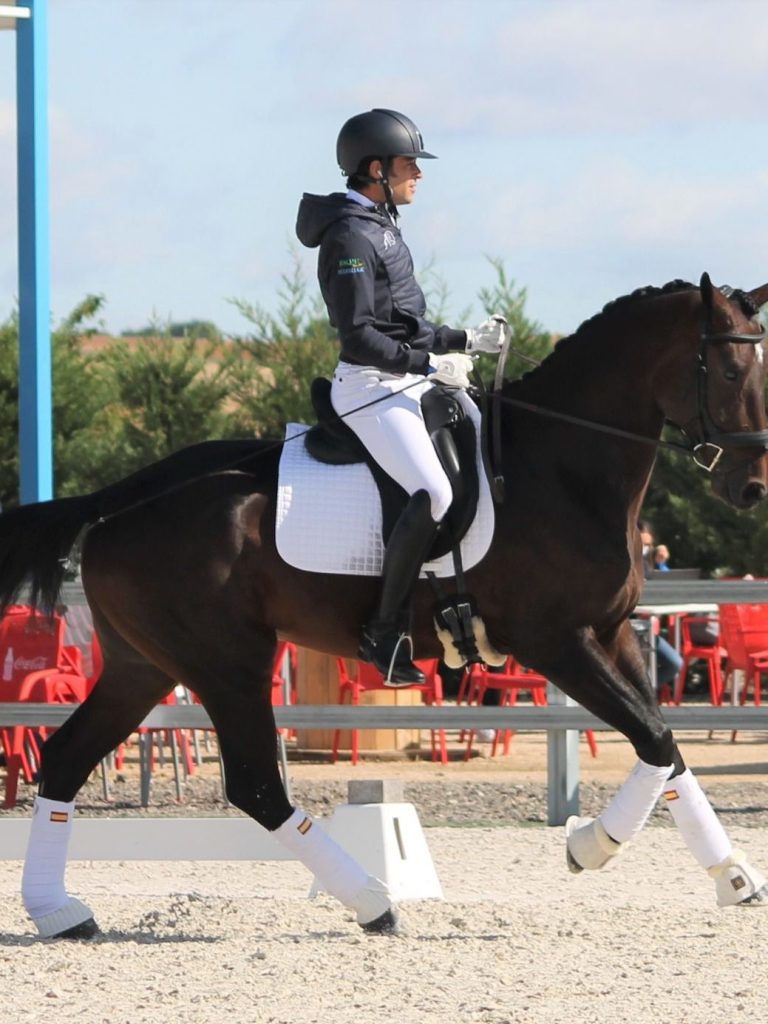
{"x": 594, "y": 147}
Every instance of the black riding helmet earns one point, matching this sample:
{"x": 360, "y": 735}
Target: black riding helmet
{"x": 377, "y": 134}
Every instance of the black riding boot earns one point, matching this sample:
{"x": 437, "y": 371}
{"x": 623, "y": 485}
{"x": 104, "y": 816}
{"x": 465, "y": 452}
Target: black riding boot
{"x": 386, "y": 641}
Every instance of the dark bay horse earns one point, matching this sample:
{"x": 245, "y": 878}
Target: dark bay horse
{"x": 184, "y": 582}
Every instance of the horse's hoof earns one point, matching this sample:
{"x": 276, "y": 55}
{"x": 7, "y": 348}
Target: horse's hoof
{"x": 85, "y": 930}
{"x": 385, "y": 924}
{"x": 757, "y": 899}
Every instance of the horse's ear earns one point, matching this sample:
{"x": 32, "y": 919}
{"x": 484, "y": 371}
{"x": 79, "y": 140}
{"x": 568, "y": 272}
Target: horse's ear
{"x": 759, "y": 295}
{"x": 706, "y": 290}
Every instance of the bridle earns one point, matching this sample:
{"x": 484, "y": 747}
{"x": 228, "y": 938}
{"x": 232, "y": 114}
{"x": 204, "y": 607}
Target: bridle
{"x": 712, "y": 442}
{"x": 712, "y": 439}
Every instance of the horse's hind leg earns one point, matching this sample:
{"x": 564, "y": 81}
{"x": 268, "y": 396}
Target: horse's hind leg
{"x": 660, "y": 769}
{"x": 239, "y": 703}
{"x": 127, "y": 690}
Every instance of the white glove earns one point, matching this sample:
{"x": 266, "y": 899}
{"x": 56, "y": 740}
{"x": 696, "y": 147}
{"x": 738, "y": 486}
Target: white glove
{"x": 452, "y": 369}
{"x": 489, "y": 336}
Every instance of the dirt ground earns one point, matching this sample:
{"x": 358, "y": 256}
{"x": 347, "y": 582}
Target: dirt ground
{"x": 516, "y": 940}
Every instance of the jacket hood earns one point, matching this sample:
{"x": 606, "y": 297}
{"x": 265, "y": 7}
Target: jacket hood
{"x": 317, "y": 213}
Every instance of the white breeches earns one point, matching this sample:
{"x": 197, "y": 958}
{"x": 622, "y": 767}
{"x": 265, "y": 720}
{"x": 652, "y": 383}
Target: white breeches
{"x": 393, "y": 429}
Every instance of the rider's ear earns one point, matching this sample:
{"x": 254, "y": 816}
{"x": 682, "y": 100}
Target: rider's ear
{"x": 376, "y": 169}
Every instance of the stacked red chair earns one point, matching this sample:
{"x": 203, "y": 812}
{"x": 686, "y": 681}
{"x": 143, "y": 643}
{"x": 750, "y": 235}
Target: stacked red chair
{"x": 711, "y": 654}
{"x": 364, "y": 677}
{"x": 744, "y": 635}
{"x": 513, "y": 679}
{"x": 36, "y": 667}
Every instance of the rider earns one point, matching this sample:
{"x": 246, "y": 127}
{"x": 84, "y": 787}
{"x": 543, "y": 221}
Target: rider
{"x": 388, "y": 351}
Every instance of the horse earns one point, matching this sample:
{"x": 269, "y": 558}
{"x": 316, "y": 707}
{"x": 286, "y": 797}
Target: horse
{"x": 184, "y": 582}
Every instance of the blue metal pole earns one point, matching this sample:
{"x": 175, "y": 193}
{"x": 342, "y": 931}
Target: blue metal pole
{"x": 35, "y": 416}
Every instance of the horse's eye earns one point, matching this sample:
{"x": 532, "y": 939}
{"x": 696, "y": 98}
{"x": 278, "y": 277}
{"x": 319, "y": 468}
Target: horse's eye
{"x": 731, "y": 375}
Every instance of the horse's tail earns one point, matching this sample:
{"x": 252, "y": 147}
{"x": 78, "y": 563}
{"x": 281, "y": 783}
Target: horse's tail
{"x": 35, "y": 541}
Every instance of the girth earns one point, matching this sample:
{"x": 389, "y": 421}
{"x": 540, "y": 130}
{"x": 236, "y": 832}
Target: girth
{"x": 453, "y": 435}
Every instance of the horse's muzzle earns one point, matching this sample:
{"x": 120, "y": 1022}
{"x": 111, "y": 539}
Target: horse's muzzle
{"x": 752, "y": 494}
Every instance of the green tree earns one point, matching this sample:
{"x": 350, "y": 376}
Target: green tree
{"x": 76, "y": 396}
{"x": 9, "y": 411}
{"x": 700, "y": 529}
{"x": 530, "y": 342}
{"x": 163, "y": 394}
{"x": 280, "y": 357}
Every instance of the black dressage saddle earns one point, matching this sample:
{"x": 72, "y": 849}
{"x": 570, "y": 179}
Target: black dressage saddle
{"x": 331, "y": 441}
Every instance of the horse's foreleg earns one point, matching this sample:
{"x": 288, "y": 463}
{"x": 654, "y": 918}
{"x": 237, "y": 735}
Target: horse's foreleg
{"x": 124, "y": 695}
{"x": 245, "y": 726}
{"x": 736, "y": 881}
{"x": 593, "y": 843}
{"x": 583, "y": 669}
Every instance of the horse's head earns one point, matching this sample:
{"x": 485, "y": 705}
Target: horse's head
{"x": 724, "y": 413}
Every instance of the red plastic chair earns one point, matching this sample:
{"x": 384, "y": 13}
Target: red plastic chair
{"x": 365, "y": 677}
{"x": 744, "y": 634}
{"x": 690, "y": 652}
{"x": 510, "y": 682}
{"x": 37, "y": 667}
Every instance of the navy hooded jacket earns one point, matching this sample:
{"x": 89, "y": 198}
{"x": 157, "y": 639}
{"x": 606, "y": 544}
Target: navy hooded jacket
{"x": 366, "y": 278}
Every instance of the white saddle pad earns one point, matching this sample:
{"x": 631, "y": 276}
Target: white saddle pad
{"x": 329, "y": 517}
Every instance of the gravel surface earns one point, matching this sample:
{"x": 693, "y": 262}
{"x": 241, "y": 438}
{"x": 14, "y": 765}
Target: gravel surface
{"x": 445, "y": 802}
{"x": 517, "y": 939}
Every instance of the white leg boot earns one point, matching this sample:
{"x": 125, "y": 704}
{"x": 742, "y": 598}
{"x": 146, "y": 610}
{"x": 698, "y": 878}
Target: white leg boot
{"x": 591, "y": 844}
{"x": 42, "y": 886}
{"x": 339, "y": 873}
{"x": 736, "y": 881}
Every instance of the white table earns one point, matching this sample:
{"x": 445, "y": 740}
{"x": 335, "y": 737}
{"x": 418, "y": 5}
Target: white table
{"x": 687, "y": 608}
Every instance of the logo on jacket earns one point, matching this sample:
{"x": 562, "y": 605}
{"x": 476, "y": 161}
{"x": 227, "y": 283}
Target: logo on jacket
{"x": 389, "y": 240}
{"x": 351, "y": 265}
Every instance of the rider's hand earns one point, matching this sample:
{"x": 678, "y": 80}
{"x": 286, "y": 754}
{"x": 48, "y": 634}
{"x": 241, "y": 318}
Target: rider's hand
{"x": 488, "y": 336}
{"x": 452, "y": 369}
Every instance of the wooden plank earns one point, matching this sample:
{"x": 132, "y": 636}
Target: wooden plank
{"x": 318, "y": 684}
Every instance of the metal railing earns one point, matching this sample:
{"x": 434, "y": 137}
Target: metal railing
{"x": 561, "y": 722}
{"x": 561, "y": 719}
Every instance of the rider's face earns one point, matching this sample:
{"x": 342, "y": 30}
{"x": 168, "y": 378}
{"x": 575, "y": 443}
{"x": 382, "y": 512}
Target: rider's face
{"x": 403, "y": 176}
{"x": 404, "y": 173}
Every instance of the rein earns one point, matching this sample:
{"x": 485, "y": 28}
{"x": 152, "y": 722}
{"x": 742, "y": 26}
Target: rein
{"x": 601, "y": 428}
{"x": 712, "y": 438}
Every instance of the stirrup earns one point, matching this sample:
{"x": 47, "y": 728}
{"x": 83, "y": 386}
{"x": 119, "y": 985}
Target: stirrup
{"x": 396, "y": 666}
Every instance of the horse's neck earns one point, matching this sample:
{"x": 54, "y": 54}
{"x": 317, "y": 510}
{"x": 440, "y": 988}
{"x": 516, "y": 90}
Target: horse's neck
{"x": 607, "y": 385}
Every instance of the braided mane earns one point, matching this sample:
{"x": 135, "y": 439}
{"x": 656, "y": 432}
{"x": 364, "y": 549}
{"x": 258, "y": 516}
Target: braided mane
{"x": 568, "y": 345}
{"x": 620, "y": 304}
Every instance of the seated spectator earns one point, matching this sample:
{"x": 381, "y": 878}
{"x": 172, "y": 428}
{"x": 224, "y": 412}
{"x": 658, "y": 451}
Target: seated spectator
{"x": 668, "y": 662}
{"x": 705, "y": 634}
{"x": 661, "y": 558}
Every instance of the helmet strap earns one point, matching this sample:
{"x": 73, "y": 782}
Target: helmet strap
{"x": 391, "y": 208}
{"x": 368, "y": 179}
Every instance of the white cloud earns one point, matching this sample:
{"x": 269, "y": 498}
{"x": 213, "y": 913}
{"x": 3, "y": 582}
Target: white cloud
{"x": 511, "y": 70}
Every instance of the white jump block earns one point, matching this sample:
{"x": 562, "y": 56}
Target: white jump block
{"x": 388, "y": 841}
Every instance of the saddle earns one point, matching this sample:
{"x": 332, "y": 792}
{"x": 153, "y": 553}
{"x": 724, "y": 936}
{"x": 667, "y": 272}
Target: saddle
{"x": 332, "y": 442}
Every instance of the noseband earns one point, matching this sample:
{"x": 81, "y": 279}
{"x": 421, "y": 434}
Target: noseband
{"x": 708, "y": 450}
